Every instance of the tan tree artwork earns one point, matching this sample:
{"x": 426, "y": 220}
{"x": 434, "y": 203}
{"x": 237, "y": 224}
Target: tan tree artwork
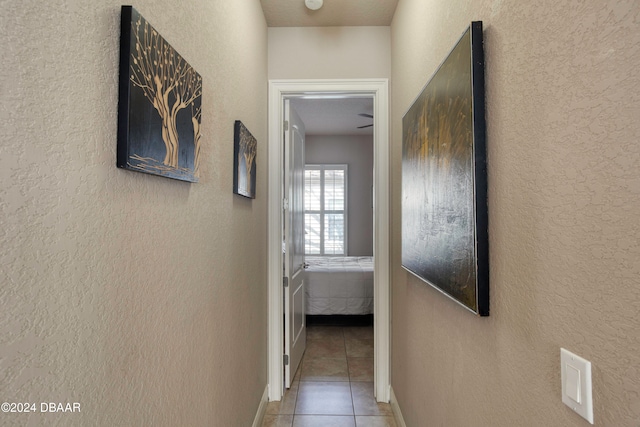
{"x": 165, "y": 109}
{"x": 245, "y": 149}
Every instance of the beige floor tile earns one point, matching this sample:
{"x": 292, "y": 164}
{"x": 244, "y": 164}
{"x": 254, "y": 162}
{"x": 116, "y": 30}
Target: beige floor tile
{"x": 277, "y": 421}
{"x": 332, "y": 349}
{"x": 324, "y": 398}
{"x": 372, "y": 421}
{"x": 357, "y": 347}
{"x": 360, "y": 368}
{"x": 324, "y": 369}
{"x": 288, "y": 403}
{"x": 324, "y": 332}
{"x": 360, "y": 332}
{"x": 296, "y": 377}
{"x": 333, "y": 386}
{"x": 324, "y": 421}
{"x": 364, "y": 403}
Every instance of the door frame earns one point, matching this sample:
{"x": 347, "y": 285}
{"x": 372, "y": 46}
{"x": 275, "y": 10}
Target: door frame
{"x": 378, "y": 89}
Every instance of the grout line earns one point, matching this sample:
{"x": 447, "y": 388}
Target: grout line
{"x": 353, "y": 403}
{"x": 344, "y": 339}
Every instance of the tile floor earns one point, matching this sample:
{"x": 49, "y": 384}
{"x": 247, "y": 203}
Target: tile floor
{"x": 334, "y": 384}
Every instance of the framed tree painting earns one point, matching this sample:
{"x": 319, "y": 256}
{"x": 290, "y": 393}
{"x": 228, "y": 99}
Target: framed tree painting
{"x": 245, "y": 148}
{"x": 444, "y": 179}
{"x": 159, "y": 112}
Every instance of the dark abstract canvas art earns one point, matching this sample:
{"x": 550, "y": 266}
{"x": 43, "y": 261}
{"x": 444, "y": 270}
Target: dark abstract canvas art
{"x": 245, "y": 147}
{"x": 159, "y": 111}
{"x": 444, "y": 184}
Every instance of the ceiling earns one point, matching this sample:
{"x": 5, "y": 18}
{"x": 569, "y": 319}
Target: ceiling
{"x": 334, "y": 116}
{"x": 331, "y": 116}
{"x": 334, "y": 13}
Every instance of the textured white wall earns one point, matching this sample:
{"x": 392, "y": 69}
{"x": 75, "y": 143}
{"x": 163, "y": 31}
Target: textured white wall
{"x": 563, "y": 102}
{"x": 357, "y": 152}
{"x": 140, "y": 297}
{"x": 329, "y": 52}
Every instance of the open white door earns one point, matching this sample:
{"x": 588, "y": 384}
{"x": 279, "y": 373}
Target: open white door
{"x": 279, "y": 90}
{"x": 295, "y": 335}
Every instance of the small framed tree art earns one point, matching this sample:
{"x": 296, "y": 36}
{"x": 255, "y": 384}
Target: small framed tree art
{"x": 245, "y": 148}
{"x": 159, "y": 111}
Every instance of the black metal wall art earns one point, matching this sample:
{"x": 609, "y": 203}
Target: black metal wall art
{"x": 444, "y": 179}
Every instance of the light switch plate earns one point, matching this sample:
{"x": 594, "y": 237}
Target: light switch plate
{"x": 576, "y": 384}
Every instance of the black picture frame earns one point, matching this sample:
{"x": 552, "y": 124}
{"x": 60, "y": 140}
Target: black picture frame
{"x": 245, "y": 148}
{"x": 445, "y": 238}
{"x": 160, "y": 104}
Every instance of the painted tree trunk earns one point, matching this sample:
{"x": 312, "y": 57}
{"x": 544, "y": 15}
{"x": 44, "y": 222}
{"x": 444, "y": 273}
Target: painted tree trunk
{"x": 168, "y": 114}
{"x": 248, "y": 161}
{"x": 196, "y": 140}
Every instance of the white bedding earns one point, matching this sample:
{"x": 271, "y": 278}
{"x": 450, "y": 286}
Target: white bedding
{"x": 339, "y": 285}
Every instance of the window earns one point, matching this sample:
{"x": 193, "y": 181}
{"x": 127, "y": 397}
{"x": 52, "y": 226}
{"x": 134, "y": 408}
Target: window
{"x": 325, "y": 209}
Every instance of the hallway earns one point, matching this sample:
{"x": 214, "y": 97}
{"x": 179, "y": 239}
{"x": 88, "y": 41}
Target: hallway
{"x": 334, "y": 384}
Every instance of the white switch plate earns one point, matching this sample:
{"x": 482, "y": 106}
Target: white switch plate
{"x": 576, "y": 384}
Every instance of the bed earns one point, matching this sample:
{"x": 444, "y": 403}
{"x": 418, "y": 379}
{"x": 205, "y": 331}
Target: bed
{"x": 339, "y": 285}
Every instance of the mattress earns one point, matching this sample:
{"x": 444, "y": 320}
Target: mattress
{"x": 339, "y": 285}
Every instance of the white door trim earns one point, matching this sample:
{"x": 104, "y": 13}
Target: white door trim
{"x": 379, "y": 90}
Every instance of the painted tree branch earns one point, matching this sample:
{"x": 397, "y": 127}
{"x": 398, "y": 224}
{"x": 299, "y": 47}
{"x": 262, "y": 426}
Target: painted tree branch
{"x": 248, "y": 148}
{"x": 167, "y": 81}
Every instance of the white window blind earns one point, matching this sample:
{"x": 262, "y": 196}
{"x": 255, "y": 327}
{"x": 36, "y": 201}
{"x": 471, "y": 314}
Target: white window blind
{"x": 325, "y": 201}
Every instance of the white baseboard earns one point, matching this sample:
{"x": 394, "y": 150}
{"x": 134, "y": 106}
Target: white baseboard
{"x": 396, "y": 410}
{"x": 262, "y": 409}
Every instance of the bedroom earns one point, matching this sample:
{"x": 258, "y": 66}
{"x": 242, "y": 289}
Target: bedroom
{"x": 338, "y": 181}
{"x": 338, "y": 226}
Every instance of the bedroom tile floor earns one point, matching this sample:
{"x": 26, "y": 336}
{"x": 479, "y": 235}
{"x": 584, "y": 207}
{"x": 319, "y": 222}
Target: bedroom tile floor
{"x": 334, "y": 383}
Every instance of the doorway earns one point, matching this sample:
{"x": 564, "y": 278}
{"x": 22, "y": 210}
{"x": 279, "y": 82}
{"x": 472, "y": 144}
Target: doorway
{"x": 378, "y": 90}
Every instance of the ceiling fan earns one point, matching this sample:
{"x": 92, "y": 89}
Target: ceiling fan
{"x": 368, "y": 116}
